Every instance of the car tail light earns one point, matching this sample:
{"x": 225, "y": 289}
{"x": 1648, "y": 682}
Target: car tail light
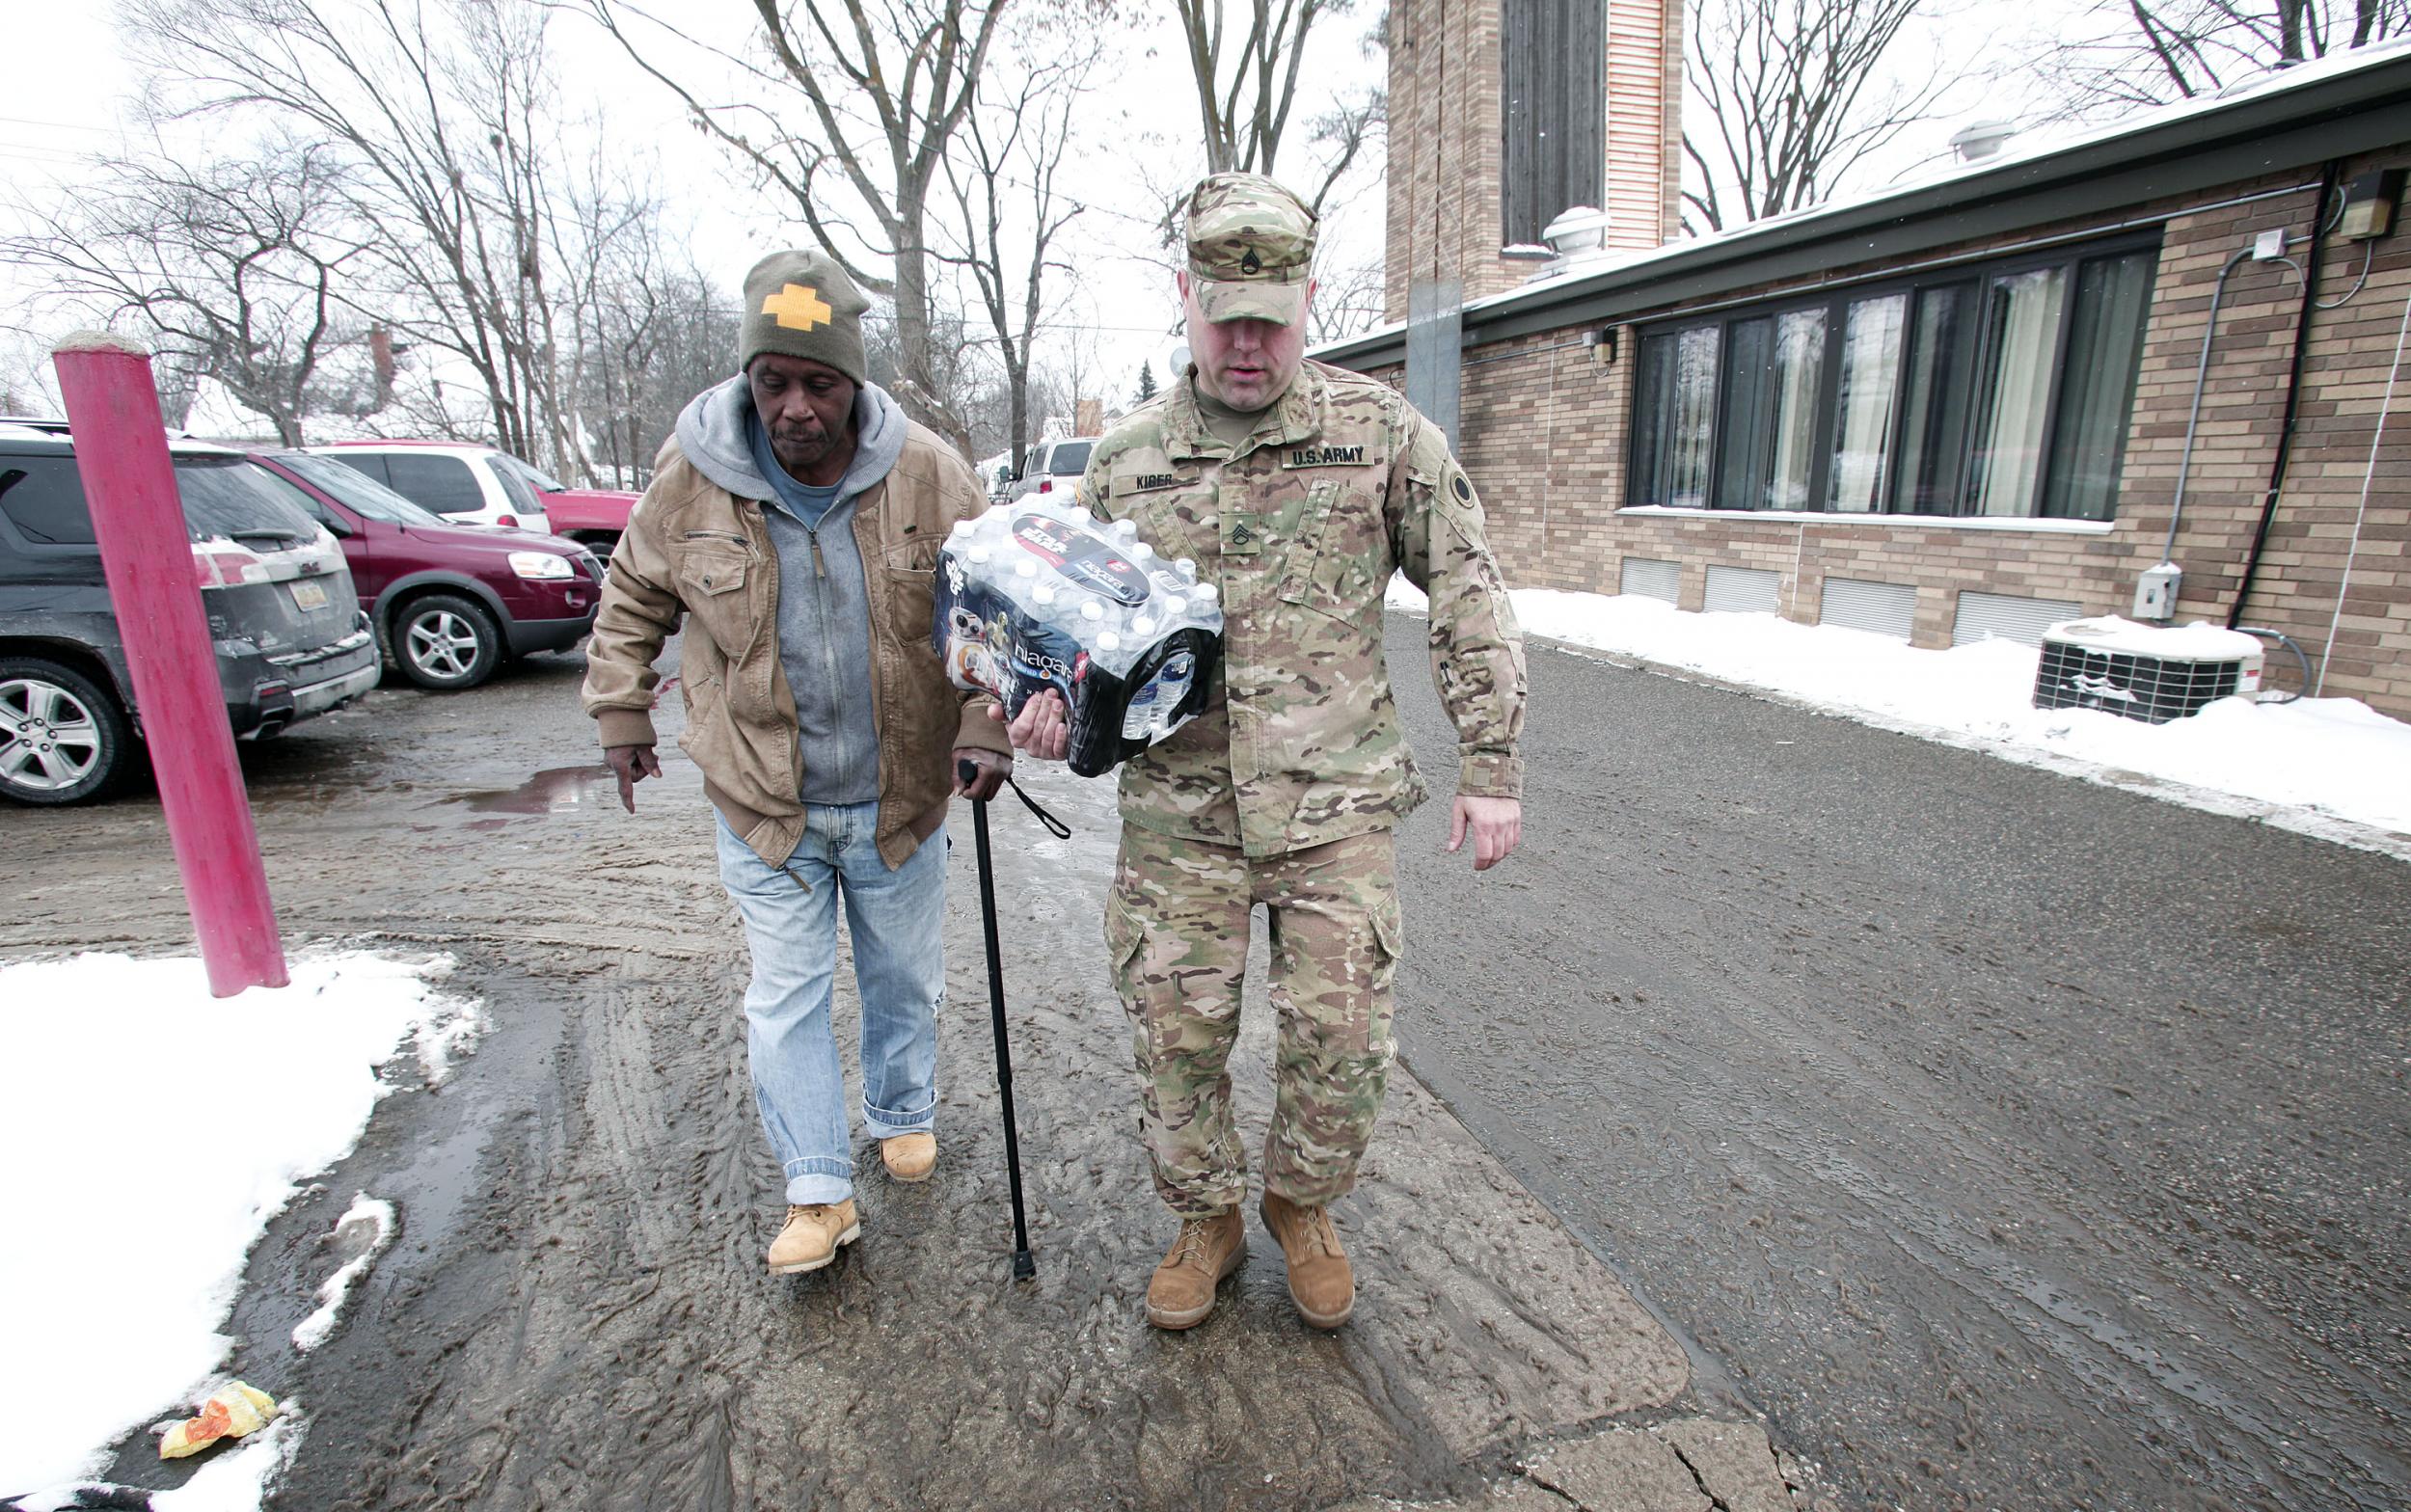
{"x": 507, "y": 522}
{"x": 1046, "y": 485}
{"x": 222, "y": 564}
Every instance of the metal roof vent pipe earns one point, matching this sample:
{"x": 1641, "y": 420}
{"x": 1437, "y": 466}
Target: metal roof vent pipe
{"x": 1577, "y": 231}
{"x": 1981, "y": 139}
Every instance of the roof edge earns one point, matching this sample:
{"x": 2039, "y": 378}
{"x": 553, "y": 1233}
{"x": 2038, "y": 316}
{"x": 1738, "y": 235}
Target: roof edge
{"x": 2348, "y": 111}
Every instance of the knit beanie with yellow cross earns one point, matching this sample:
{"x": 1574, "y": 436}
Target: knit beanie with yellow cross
{"x": 799, "y": 303}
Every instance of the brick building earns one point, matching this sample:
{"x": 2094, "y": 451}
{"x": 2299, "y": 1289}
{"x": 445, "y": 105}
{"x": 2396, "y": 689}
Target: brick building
{"x": 1972, "y": 405}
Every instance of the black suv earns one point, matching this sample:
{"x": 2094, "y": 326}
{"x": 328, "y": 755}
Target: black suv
{"x": 289, "y": 635}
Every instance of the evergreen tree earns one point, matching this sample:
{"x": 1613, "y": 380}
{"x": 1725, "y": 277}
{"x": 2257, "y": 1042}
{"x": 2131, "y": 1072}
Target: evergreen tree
{"x": 1147, "y": 382}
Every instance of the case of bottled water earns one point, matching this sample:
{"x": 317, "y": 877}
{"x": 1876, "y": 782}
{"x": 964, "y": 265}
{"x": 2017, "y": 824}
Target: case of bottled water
{"x": 1038, "y": 594}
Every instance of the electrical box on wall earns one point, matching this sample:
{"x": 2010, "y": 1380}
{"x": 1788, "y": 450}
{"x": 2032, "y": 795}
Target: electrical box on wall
{"x": 2155, "y": 591}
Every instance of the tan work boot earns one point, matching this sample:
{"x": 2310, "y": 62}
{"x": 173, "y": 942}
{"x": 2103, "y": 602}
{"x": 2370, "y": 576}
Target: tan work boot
{"x": 909, "y": 1157}
{"x": 812, "y": 1235}
{"x": 1321, "y": 1282}
{"x": 1182, "y": 1290}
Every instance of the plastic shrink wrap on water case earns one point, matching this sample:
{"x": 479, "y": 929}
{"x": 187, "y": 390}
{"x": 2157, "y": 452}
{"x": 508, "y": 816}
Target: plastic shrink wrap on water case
{"x": 1036, "y": 594}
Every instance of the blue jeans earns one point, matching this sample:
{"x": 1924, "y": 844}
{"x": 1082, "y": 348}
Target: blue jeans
{"x": 894, "y": 919}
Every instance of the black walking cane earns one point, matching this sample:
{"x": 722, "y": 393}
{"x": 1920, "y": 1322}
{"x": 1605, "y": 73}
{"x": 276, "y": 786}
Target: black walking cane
{"x": 1024, "y": 1266}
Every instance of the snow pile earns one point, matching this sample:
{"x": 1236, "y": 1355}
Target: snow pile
{"x": 2299, "y": 764}
{"x": 155, "y": 1131}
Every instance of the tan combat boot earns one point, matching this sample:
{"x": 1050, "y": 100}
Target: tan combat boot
{"x": 812, "y": 1235}
{"x": 909, "y": 1157}
{"x": 1207, "y": 1250}
{"x": 1321, "y": 1282}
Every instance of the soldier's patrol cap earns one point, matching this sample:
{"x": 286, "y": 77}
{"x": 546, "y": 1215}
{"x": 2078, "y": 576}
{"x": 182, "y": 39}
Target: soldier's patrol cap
{"x": 1251, "y": 249}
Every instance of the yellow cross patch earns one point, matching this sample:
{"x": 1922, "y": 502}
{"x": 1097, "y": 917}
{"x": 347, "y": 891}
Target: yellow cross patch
{"x": 798, "y": 307}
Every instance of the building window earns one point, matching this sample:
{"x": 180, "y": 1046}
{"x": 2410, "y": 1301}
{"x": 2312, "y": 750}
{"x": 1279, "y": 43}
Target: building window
{"x": 1998, "y": 390}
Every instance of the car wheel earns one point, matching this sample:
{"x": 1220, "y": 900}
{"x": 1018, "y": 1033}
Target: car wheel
{"x": 445, "y": 642}
{"x": 63, "y": 737}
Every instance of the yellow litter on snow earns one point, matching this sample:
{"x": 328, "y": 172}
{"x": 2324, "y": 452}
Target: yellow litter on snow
{"x": 232, "y": 1412}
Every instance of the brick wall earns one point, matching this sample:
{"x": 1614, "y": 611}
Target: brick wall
{"x": 1444, "y": 217}
{"x": 1545, "y": 435}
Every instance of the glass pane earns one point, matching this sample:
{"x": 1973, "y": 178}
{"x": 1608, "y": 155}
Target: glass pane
{"x": 435, "y": 482}
{"x": 1936, "y": 405}
{"x": 1674, "y": 414}
{"x": 1869, "y": 383}
{"x": 1770, "y": 422}
{"x": 1749, "y": 398}
{"x": 2104, "y": 344}
{"x": 523, "y": 498}
{"x": 355, "y": 490}
{"x": 44, "y": 500}
{"x": 1069, "y": 457}
{"x": 1694, "y": 416}
{"x": 228, "y": 497}
{"x": 2022, "y": 319}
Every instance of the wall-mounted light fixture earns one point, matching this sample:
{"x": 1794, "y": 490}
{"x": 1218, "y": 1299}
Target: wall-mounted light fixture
{"x": 2370, "y": 205}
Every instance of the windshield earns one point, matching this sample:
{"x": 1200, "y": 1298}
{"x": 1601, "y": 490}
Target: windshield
{"x": 354, "y": 489}
{"x": 228, "y": 497}
{"x": 511, "y": 466}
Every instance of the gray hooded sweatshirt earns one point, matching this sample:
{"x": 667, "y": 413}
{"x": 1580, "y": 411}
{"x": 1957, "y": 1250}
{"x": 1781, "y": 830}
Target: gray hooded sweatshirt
{"x": 824, "y": 606}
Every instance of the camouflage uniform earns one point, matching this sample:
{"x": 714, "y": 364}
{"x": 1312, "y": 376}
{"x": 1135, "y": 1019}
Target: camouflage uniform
{"x": 1286, "y": 790}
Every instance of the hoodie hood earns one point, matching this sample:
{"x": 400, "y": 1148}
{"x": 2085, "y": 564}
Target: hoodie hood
{"x": 713, "y": 435}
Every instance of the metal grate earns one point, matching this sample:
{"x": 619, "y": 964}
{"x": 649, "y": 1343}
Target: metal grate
{"x": 1886, "y": 608}
{"x": 1742, "y": 590}
{"x": 1652, "y": 580}
{"x": 1984, "y": 617}
{"x": 2152, "y": 688}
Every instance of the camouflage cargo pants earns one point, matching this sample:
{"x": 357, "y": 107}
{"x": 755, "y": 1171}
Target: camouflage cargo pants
{"x": 1176, "y": 935}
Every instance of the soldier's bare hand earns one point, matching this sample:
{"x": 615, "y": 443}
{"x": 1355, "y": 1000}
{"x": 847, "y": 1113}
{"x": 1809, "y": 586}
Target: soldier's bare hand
{"x": 1042, "y": 727}
{"x": 1496, "y": 826}
{"x": 630, "y": 764}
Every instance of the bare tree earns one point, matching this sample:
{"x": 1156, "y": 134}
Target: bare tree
{"x": 437, "y": 107}
{"x": 1791, "y": 94}
{"x": 1004, "y": 180}
{"x": 884, "y": 85}
{"x": 1349, "y": 300}
{"x": 232, "y": 266}
{"x": 1245, "y": 70}
{"x": 2121, "y": 54}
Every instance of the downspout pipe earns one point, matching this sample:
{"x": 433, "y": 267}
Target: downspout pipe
{"x": 2330, "y": 174}
{"x": 2193, "y": 416}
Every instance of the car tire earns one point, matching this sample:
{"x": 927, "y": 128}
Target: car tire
{"x": 444, "y": 642}
{"x": 63, "y": 737}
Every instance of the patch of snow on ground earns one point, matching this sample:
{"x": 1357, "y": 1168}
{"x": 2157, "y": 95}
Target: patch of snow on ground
{"x": 2307, "y": 764}
{"x": 155, "y": 1130}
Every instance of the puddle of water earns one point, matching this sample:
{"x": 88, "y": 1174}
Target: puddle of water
{"x": 554, "y": 789}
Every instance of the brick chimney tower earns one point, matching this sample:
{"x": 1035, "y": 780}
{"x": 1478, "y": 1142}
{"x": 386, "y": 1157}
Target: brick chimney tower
{"x": 1506, "y": 113}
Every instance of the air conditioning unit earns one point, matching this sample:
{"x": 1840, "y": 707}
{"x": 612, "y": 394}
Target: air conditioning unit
{"x": 2153, "y": 673}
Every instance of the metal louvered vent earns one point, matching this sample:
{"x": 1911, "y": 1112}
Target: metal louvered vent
{"x": 1741, "y": 591}
{"x": 1886, "y": 608}
{"x": 1652, "y": 580}
{"x": 2142, "y": 672}
{"x": 1984, "y": 616}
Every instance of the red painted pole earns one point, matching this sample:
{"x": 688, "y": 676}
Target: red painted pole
{"x": 121, "y": 452}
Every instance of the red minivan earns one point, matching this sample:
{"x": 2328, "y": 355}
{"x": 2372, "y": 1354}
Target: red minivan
{"x": 451, "y": 604}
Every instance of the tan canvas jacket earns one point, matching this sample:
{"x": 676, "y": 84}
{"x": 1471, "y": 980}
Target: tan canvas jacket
{"x": 695, "y": 551}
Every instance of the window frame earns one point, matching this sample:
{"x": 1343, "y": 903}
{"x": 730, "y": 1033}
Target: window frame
{"x": 1974, "y": 279}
